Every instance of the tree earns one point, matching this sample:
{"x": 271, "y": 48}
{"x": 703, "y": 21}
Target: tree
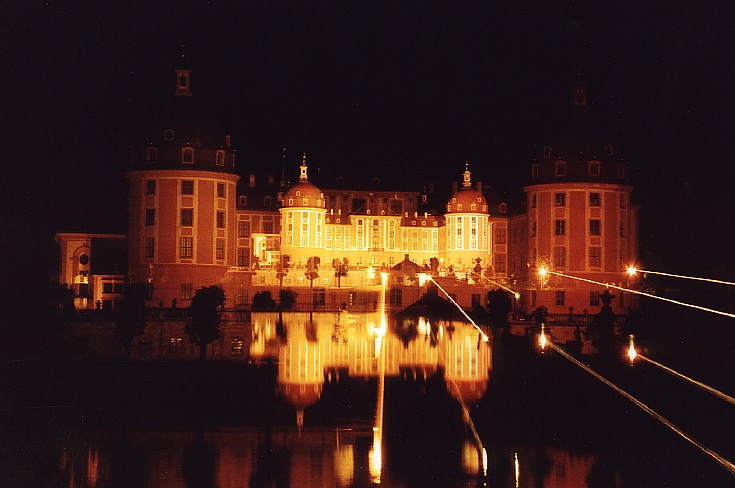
{"x": 263, "y": 302}
{"x": 286, "y": 299}
{"x": 204, "y": 312}
{"x": 340, "y": 270}
{"x": 130, "y": 318}
{"x": 312, "y": 273}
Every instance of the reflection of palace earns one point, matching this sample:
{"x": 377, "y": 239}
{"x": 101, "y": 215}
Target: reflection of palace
{"x": 321, "y": 349}
{"x": 196, "y": 219}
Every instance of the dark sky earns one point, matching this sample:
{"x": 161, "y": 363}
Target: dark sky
{"x": 371, "y": 87}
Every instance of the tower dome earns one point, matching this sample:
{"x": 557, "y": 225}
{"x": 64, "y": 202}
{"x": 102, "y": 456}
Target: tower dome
{"x": 467, "y": 199}
{"x": 304, "y": 193}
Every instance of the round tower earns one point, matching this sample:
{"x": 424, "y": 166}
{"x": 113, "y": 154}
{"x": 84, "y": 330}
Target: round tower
{"x": 182, "y": 186}
{"x": 302, "y": 219}
{"x": 467, "y": 231}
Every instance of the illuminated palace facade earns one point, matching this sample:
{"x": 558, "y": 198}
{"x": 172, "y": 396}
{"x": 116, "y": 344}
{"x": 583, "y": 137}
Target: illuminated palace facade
{"x": 195, "y": 219}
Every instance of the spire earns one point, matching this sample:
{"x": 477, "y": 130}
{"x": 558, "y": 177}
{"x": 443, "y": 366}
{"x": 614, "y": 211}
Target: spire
{"x": 466, "y": 182}
{"x": 183, "y": 76}
{"x": 304, "y": 176}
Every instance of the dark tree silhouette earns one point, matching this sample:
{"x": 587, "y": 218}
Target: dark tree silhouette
{"x": 286, "y": 299}
{"x": 263, "y": 302}
{"x": 499, "y": 306}
{"x": 204, "y": 312}
{"x": 340, "y": 270}
{"x": 130, "y": 317}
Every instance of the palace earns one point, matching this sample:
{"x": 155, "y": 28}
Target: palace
{"x": 196, "y": 219}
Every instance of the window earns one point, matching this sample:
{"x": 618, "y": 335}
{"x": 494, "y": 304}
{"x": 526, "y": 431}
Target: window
{"x": 621, "y": 170}
{"x": 533, "y": 201}
{"x": 595, "y": 257}
{"x": 242, "y": 297}
{"x": 622, "y": 229}
{"x": 150, "y": 187}
{"x": 503, "y": 208}
{"x": 187, "y": 155}
{"x": 243, "y": 229}
{"x": 560, "y": 257}
{"x": 237, "y": 348}
{"x": 476, "y": 301}
{"x": 395, "y": 297}
{"x": 594, "y": 227}
{"x": 533, "y": 229}
{"x": 221, "y": 190}
{"x": 534, "y": 171}
{"x": 186, "y": 247}
{"x": 220, "y": 158}
{"x": 187, "y": 217}
{"x": 459, "y": 207}
{"x": 594, "y": 199}
{"x": 500, "y": 263}
{"x": 220, "y": 249}
{"x": 622, "y": 201}
{"x": 560, "y": 199}
{"x": 149, "y": 247}
{"x": 547, "y": 152}
{"x": 500, "y": 235}
{"x": 220, "y": 220}
{"x": 185, "y": 294}
{"x": 267, "y": 227}
{"x": 594, "y": 168}
{"x": 243, "y": 256}
{"x": 187, "y": 187}
{"x": 168, "y": 135}
{"x": 151, "y": 155}
{"x": 559, "y": 298}
{"x": 609, "y": 150}
{"x": 150, "y": 217}
{"x": 594, "y": 298}
{"x": 560, "y": 227}
{"x": 560, "y": 168}
{"x": 267, "y": 201}
{"x": 243, "y": 201}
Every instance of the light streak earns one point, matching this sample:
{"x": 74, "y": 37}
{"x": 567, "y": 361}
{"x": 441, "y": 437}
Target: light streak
{"x": 724, "y": 462}
{"x": 721, "y": 282}
{"x": 636, "y": 292}
{"x": 484, "y": 336}
{"x": 515, "y": 293}
{"x": 699, "y": 384}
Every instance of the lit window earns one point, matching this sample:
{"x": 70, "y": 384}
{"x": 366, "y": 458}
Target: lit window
{"x": 220, "y": 158}
{"x": 221, "y": 190}
{"x": 150, "y": 187}
{"x": 187, "y": 187}
{"x": 594, "y": 199}
{"x": 459, "y": 207}
{"x": 150, "y": 217}
{"x": 560, "y": 199}
{"x": 237, "y": 348}
{"x": 187, "y": 155}
{"x": 473, "y": 206}
{"x": 595, "y": 227}
{"x": 151, "y": 155}
{"x": 187, "y": 217}
{"x": 560, "y": 168}
{"x": 186, "y": 249}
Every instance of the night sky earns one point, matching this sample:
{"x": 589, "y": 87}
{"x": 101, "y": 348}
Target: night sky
{"x": 371, "y": 88}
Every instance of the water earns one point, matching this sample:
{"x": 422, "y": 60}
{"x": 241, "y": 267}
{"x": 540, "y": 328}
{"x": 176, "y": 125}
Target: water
{"x": 339, "y": 401}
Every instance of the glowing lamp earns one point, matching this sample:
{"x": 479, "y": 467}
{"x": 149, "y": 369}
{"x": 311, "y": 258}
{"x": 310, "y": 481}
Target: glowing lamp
{"x": 542, "y": 338}
{"x": 632, "y": 354}
{"x": 632, "y": 271}
{"x": 423, "y": 278}
{"x": 542, "y": 272}
{"x": 384, "y": 278}
{"x": 518, "y": 296}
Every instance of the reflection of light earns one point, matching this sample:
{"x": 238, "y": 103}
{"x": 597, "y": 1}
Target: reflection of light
{"x": 423, "y": 278}
{"x": 344, "y": 465}
{"x": 542, "y": 338}
{"x": 484, "y": 461}
{"x": 632, "y": 271}
{"x": 371, "y": 272}
{"x": 542, "y": 272}
{"x": 517, "y": 468}
{"x": 384, "y": 278}
{"x": 631, "y": 350}
{"x": 518, "y": 296}
{"x": 470, "y": 461}
{"x": 375, "y": 457}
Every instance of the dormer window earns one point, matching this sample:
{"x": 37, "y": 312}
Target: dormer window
{"x": 252, "y": 180}
{"x": 220, "y": 158}
{"x": 534, "y": 171}
{"x": 503, "y": 208}
{"x": 473, "y": 206}
{"x": 459, "y": 207}
{"x": 267, "y": 201}
{"x": 449, "y": 207}
{"x": 560, "y": 168}
{"x": 484, "y": 207}
{"x": 151, "y": 155}
{"x": 594, "y": 168}
{"x": 621, "y": 170}
{"x": 609, "y": 150}
{"x": 168, "y": 135}
{"x": 298, "y": 193}
{"x": 290, "y": 202}
{"x": 547, "y": 152}
{"x": 305, "y": 202}
{"x": 228, "y": 141}
{"x": 187, "y": 155}
{"x": 243, "y": 200}
{"x": 318, "y": 202}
